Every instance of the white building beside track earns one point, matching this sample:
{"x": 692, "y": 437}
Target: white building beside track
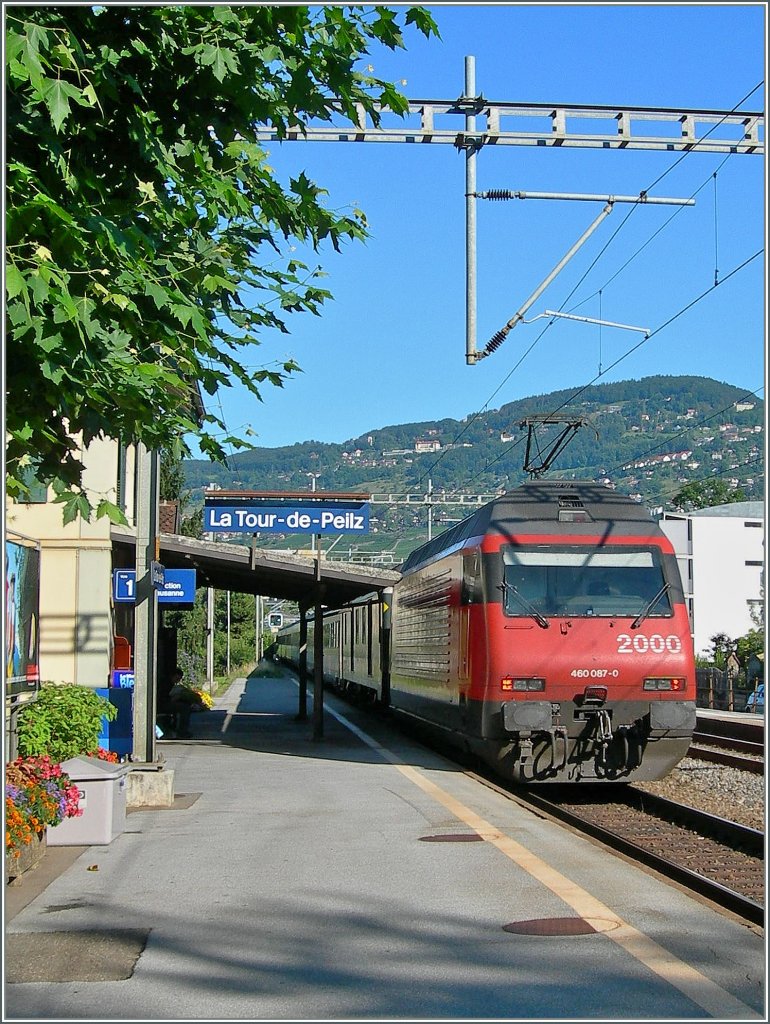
{"x": 721, "y": 555}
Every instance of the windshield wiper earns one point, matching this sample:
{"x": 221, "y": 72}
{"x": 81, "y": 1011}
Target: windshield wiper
{"x": 649, "y": 606}
{"x": 539, "y": 619}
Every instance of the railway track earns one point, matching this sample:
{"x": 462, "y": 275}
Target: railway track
{"x": 717, "y": 858}
{"x": 716, "y": 755}
{"x": 733, "y": 744}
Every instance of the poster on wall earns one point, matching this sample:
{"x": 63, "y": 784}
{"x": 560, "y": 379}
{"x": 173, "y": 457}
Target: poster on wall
{"x": 22, "y": 615}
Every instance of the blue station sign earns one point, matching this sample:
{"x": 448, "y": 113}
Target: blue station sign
{"x": 310, "y": 517}
{"x": 123, "y": 678}
{"x": 178, "y": 586}
{"x": 124, "y": 586}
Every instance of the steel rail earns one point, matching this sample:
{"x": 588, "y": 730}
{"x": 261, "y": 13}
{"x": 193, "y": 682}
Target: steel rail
{"x": 726, "y": 747}
{"x": 706, "y": 887}
{"x": 751, "y": 839}
{"x": 741, "y": 746}
{"x": 724, "y": 757}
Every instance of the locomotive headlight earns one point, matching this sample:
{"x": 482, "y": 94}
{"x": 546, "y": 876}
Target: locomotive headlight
{"x": 519, "y": 684}
{"x": 676, "y": 683}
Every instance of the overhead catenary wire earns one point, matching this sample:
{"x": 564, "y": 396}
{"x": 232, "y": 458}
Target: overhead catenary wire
{"x": 521, "y": 359}
{"x": 644, "y": 193}
{"x": 499, "y": 336}
{"x": 682, "y": 433}
{"x": 670, "y": 492}
{"x": 626, "y": 354}
{"x": 716, "y": 233}
{"x": 600, "y": 330}
{"x": 572, "y": 398}
{"x": 657, "y": 182}
{"x": 639, "y": 455}
{"x": 651, "y": 238}
{"x": 674, "y": 489}
{"x": 484, "y": 408}
{"x": 711, "y": 130}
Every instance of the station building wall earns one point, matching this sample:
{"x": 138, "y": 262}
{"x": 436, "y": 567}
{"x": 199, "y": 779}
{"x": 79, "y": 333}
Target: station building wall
{"x": 721, "y": 554}
{"x": 76, "y": 613}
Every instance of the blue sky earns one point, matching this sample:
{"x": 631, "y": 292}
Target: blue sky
{"x": 390, "y": 348}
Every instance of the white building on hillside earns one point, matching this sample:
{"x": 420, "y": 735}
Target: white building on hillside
{"x": 721, "y": 554}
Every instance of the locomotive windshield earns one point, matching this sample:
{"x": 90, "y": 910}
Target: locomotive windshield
{"x": 569, "y": 580}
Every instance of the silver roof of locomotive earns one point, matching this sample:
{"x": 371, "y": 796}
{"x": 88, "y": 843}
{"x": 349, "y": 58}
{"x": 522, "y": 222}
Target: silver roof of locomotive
{"x": 535, "y": 501}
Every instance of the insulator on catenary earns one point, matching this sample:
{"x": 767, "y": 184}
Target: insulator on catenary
{"x": 497, "y": 193}
{"x": 495, "y": 341}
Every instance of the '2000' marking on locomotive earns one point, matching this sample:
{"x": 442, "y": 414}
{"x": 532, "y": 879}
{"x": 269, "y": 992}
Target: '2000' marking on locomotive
{"x": 655, "y": 644}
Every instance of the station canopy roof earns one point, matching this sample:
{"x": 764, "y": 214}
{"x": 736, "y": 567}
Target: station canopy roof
{"x": 247, "y": 570}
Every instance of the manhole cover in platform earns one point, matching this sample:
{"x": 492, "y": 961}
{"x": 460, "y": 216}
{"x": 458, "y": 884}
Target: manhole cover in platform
{"x": 455, "y": 837}
{"x": 551, "y": 926}
{"x": 72, "y": 956}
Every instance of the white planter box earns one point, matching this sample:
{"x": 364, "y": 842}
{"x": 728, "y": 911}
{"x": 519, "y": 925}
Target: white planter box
{"x": 102, "y": 786}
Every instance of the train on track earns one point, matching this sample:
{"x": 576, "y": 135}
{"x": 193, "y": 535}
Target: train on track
{"x": 547, "y": 633}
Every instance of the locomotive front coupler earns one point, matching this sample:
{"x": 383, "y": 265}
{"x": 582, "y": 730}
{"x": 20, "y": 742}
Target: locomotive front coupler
{"x": 555, "y": 733}
{"x": 601, "y": 720}
{"x": 525, "y": 747}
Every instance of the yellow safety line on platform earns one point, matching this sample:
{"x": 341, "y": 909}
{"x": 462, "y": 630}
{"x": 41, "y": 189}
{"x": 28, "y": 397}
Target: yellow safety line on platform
{"x": 696, "y": 986}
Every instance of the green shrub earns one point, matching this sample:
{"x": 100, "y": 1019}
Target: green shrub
{"x": 62, "y": 722}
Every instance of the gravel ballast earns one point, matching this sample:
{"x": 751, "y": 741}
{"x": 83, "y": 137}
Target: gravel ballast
{"x": 726, "y": 792}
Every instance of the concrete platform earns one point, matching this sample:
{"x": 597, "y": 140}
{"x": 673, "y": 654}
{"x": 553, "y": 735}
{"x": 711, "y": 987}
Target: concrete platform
{"x": 359, "y": 877}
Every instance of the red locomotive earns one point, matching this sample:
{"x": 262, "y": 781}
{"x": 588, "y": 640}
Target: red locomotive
{"x": 547, "y": 632}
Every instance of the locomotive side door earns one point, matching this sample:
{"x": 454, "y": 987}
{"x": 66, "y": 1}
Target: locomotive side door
{"x": 470, "y": 590}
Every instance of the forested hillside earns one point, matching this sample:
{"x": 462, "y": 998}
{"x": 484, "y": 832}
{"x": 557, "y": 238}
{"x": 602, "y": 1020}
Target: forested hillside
{"x": 648, "y": 437}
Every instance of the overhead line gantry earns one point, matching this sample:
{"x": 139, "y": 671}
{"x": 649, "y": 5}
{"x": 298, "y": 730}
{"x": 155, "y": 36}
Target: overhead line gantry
{"x": 555, "y": 125}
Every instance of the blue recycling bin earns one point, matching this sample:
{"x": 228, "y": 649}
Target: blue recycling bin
{"x": 118, "y": 735}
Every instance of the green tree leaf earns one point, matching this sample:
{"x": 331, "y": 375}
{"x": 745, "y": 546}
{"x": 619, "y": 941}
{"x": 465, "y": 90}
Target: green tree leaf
{"x": 111, "y": 510}
{"x": 58, "y": 94}
{"x": 153, "y": 236}
{"x": 14, "y": 281}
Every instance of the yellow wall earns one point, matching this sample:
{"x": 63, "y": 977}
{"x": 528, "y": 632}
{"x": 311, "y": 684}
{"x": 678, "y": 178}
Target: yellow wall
{"x": 75, "y": 574}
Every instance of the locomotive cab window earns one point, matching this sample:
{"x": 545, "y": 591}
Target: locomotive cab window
{"x": 569, "y": 580}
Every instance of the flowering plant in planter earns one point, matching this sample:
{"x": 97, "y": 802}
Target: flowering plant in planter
{"x": 63, "y": 721}
{"x": 37, "y": 793}
{"x": 104, "y": 755}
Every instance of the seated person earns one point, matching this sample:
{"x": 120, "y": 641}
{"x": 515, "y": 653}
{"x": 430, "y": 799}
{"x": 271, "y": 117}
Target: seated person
{"x": 182, "y": 700}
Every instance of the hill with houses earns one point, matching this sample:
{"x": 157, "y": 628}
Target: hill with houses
{"x": 646, "y": 437}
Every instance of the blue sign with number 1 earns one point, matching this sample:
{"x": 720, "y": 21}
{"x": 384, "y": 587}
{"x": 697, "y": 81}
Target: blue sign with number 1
{"x": 178, "y": 586}
{"x": 124, "y": 585}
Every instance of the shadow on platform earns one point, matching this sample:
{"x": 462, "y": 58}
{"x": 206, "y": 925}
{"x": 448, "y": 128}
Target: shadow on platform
{"x": 265, "y": 719}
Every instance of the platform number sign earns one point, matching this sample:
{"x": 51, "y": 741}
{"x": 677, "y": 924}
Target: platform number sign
{"x": 174, "y": 586}
{"x": 124, "y": 586}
